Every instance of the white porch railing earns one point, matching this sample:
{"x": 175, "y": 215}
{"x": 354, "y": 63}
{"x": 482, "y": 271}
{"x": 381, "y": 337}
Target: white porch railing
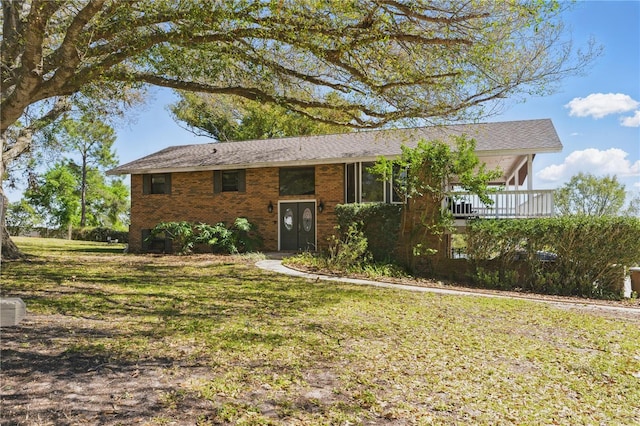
{"x": 506, "y": 204}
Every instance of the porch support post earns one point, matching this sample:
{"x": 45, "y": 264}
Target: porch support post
{"x": 530, "y": 198}
{"x": 530, "y": 172}
{"x": 516, "y": 174}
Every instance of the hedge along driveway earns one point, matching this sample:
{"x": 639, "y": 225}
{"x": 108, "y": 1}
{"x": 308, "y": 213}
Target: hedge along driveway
{"x": 123, "y": 339}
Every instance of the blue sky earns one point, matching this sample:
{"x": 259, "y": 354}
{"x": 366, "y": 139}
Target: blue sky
{"x": 597, "y": 116}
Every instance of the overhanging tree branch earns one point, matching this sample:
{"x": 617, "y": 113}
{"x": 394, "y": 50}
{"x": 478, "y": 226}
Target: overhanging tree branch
{"x": 22, "y": 141}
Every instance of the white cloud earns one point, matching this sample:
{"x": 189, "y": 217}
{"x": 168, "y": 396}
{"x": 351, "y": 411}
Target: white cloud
{"x": 636, "y": 185}
{"x": 633, "y": 121}
{"x": 613, "y": 161}
{"x": 598, "y": 105}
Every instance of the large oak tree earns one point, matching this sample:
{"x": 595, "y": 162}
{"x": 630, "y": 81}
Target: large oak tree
{"x": 375, "y": 61}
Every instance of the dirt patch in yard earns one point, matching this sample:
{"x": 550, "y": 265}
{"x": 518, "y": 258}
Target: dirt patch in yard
{"x": 45, "y": 384}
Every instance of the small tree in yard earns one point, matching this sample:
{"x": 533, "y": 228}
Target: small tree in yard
{"x": 424, "y": 175}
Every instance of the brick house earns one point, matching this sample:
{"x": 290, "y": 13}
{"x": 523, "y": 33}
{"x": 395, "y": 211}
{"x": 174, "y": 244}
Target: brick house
{"x": 289, "y": 187}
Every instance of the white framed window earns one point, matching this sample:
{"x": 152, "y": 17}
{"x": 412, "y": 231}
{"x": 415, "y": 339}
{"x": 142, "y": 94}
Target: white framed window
{"x": 362, "y": 186}
{"x": 372, "y": 190}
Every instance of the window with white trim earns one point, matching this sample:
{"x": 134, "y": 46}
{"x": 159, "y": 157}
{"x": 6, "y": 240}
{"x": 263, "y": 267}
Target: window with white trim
{"x": 372, "y": 190}
{"x": 362, "y": 186}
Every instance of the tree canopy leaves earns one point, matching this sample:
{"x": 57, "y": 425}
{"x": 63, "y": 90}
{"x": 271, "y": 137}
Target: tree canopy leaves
{"x": 383, "y": 60}
{"x": 57, "y": 196}
{"x": 587, "y": 194}
{"x": 231, "y": 118}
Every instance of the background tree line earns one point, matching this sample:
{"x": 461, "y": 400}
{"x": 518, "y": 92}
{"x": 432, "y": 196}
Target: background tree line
{"x": 67, "y": 186}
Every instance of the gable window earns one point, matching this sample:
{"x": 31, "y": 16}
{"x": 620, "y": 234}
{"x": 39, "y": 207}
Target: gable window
{"x": 297, "y": 181}
{"x": 229, "y": 181}
{"x": 159, "y": 183}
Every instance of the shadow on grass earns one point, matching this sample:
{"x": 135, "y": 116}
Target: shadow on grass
{"x": 74, "y": 387}
{"x": 58, "y": 370}
{"x": 143, "y": 287}
{"x": 105, "y": 327}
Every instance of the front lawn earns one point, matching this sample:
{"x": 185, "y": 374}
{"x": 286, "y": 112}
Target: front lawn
{"x": 115, "y": 338}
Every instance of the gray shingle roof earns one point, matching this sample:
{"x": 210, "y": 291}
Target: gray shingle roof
{"x": 511, "y": 137}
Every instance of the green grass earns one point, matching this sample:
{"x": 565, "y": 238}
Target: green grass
{"x": 319, "y": 353}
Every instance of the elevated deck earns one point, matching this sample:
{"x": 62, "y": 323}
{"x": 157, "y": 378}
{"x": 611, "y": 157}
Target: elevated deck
{"x": 518, "y": 204}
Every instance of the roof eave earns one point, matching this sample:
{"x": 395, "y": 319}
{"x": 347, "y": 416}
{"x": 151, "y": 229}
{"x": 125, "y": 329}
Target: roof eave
{"x": 315, "y": 162}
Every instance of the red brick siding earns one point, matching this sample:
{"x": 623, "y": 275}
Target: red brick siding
{"x": 192, "y": 199}
{"x": 329, "y": 190}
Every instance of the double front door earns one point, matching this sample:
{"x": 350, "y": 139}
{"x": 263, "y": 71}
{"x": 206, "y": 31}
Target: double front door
{"x": 298, "y": 226}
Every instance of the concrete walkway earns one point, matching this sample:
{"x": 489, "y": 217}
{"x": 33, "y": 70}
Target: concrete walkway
{"x": 275, "y": 265}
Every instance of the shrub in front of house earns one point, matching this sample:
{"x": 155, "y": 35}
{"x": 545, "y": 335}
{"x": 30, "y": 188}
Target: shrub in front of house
{"x": 378, "y": 222}
{"x": 363, "y": 243}
{"x": 349, "y": 249}
{"x": 241, "y": 237}
{"x": 568, "y": 255}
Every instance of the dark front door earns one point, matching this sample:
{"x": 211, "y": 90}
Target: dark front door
{"x": 298, "y": 226}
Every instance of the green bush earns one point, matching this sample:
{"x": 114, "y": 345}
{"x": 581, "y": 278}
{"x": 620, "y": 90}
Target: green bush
{"x": 181, "y": 233}
{"x": 246, "y": 236}
{"x": 498, "y": 279}
{"x": 349, "y": 249}
{"x": 379, "y": 223}
{"x": 241, "y": 237}
{"x": 99, "y": 234}
{"x": 589, "y": 253}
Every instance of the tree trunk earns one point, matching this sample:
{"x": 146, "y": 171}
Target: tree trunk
{"x": 419, "y": 227}
{"x": 9, "y": 248}
{"x": 406, "y": 239}
{"x": 83, "y": 192}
